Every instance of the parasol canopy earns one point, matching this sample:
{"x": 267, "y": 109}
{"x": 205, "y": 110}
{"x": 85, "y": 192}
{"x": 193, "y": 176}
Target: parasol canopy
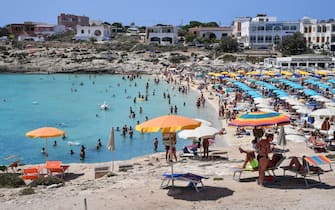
{"x": 45, "y": 133}
{"x": 259, "y": 119}
{"x": 168, "y": 124}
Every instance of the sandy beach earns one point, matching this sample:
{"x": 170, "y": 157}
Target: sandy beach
{"x": 139, "y": 186}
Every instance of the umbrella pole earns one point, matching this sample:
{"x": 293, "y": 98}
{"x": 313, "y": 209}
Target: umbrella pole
{"x": 46, "y": 149}
{"x": 171, "y": 159}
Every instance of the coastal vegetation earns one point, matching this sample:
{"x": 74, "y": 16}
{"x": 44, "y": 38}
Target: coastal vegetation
{"x": 293, "y": 45}
{"x": 10, "y": 180}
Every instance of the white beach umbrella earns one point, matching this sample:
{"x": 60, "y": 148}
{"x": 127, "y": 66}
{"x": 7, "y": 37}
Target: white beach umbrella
{"x": 326, "y": 112}
{"x": 200, "y": 132}
{"x": 111, "y": 144}
{"x": 303, "y": 110}
{"x": 204, "y": 122}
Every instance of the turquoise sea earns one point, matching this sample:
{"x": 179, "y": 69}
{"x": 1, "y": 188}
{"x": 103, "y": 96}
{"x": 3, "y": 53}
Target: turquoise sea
{"x": 72, "y": 102}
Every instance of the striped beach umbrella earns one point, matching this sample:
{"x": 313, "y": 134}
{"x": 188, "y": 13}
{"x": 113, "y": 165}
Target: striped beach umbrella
{"x": 260, "y": 119}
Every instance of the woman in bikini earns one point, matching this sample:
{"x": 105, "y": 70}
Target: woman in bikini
{"x": 264, "y": 148}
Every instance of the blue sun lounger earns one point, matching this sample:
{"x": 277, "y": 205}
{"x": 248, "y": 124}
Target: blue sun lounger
{"x": 193, "y": 180}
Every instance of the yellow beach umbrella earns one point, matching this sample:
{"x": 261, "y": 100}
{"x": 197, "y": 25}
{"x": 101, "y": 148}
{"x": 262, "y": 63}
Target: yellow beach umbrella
{"x": 321, "y": 72}
{"x": 303, "y": 73}
{"x": 231, "y": 74}
{"x": 269, "y": 73}
{"x": 286, "y": 73}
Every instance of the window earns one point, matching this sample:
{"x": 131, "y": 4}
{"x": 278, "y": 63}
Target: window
{"x": 333, "y": 28}
{"x": 322, "y": 39}
{"x": 286, "y": 28}
{"x": 317, "y": 39}
{"x": 305, "y": 29}
{"x": 277, "y": 28}
{"x": 318, "y": 28}
{"x": 293, "y": 28}
{"x": 253, "y": 28}
{"x": 252, "y": 39}
{"x": 268, "y": 27}
{"x": 260, "y": 28}
{"x": 332, "y": 38}
{"x": 268, "y": 39}
{"x": 324, "y": 29}
{"x": 260, "y": 39}
{"x": 82, "y": 31}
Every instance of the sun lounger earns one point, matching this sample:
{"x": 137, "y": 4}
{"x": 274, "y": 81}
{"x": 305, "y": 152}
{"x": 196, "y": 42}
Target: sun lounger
{"x": 311, "y": 161}
{"x": 56, "y": 167}
{"x": 31, "y": 173}
{"x": 193, "y": 180}
{"x": 321, "y": 146}
{"x": 238, "y": 171}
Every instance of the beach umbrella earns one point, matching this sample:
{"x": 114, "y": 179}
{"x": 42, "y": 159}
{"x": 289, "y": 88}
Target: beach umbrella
{"x": 111, "y": 144}
{"x": 260, "y": 119}
{"x": 203, "y": 122}
{"x": 168, "y": 124}
{"x": 45, "y": 133}
{"x": 326, "y": 112}
{"x": 200, "y": 132}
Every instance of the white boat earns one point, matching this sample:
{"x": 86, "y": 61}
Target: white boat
{"x": 104, "y": 106}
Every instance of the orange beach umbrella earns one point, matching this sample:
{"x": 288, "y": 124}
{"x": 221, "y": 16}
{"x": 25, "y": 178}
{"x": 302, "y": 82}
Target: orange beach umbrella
{"x": 168, "y": 124}
{"x": 45, "y": 133}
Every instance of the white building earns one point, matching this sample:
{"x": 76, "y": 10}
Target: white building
{"x": 300, "y": 61}
{"x": 96, "y": 30}
{"x": 318, "y": 34}
{"x": 162, "y": 35}
{"x": 264, "y": 32}
{"x": 211, "y": 32}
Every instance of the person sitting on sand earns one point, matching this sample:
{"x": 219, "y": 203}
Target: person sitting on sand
{"x": 302, "y": 168}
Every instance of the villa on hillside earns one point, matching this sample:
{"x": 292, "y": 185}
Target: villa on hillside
{"x": 33, "y": 30}
{"x": 162, "y": 35}
{"x": 95, "y": 30}
{"x": 211, "y": 32}
{"x": 262, "y": 31}
{"x": 71, "y": 21}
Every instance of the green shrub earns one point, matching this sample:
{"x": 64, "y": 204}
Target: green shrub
{"x": 46, "y": 181}
{"x": 27, "y": 191}
{"x": 10, "y": 180}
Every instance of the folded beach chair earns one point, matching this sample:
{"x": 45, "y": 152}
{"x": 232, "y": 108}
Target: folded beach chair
{"x": 56, "y": 167}
{"x": 193, "y": 180}
{"x": 254, "y": 168}
{"x": 31, "y": 173}
{"x": 311, "y": 161}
